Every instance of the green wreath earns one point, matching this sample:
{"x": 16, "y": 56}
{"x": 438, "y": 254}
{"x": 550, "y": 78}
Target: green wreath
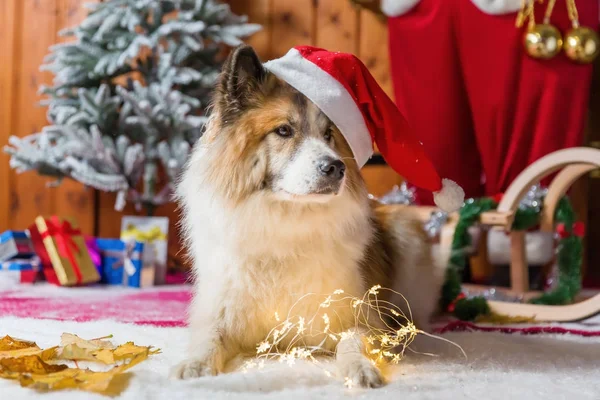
{"x": 570, "y": 251}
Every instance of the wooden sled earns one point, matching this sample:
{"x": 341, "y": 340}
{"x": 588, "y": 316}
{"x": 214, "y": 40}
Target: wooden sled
{"x": 573, "y": 163}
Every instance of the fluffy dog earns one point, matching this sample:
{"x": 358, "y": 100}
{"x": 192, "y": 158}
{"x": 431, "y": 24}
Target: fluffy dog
{"x": 275, "y": 207}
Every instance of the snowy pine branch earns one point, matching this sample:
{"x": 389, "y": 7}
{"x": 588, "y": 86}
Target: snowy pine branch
{"x": 129, "y": 95}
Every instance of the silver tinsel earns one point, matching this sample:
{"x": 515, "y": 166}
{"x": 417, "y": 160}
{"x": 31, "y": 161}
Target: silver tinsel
{"x": 493, "y": 295}
{"x": 433, "y": 227}
{"x": 534, "y": 197}
{"x": 398, "y": 195}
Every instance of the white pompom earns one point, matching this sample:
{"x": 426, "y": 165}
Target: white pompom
{"x": 394, "y": 8}
{"x": 451, "y": 197}
{"x": 497, "y": 7}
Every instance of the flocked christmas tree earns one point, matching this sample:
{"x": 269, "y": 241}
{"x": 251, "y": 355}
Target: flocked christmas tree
{"x": 129, "y": 95}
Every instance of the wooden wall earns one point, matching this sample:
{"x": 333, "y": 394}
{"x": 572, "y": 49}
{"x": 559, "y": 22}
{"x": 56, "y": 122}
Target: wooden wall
{"x": 29, "y": 27}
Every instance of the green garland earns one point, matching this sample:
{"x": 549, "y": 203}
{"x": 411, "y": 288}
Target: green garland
{"x": 570, "y": 249}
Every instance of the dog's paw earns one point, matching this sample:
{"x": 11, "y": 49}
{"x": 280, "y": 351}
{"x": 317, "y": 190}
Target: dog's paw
{"x": 192, "y": 368}
{"x": 363, "y": 373}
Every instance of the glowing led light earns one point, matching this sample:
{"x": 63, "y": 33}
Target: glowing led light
{"x": 386, "y": 330}
{"x": 349, "y": 383}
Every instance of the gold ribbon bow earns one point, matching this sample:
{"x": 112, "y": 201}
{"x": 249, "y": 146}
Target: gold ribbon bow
{"x": 133, "y": 233}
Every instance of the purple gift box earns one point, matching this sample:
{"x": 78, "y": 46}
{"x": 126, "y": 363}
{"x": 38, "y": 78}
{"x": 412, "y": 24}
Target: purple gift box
{"x": 15, "y": 244}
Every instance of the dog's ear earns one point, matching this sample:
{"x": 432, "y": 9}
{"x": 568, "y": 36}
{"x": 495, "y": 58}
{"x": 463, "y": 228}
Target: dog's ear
{"x": 240, "y": 81}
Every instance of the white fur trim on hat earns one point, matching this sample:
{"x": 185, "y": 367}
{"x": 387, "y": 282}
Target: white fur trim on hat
{"x": 451, "y": 197}
{"x": 330, "y": 96}
{"x": 497, "y": 7}
{"x": 394, "y": 8}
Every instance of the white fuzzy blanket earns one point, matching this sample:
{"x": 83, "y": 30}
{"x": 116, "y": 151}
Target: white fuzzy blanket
{"x": 498, "y": 367}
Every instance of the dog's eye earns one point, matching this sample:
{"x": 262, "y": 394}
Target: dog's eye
{"x": 284, "y": 131}
{"x": 328, "y": 134}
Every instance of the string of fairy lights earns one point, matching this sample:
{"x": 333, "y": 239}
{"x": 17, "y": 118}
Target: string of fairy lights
{"x": 386, "y": 329}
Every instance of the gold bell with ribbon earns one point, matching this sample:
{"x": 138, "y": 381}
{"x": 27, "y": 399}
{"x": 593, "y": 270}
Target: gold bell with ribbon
{"x": 542, "y": 41}
{"x": 582, "y": 44}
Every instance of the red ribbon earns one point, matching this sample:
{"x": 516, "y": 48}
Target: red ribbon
{"x": 452, "y": 306}
{"x": 498, "y": 197}
{"x": 62, "y": 232}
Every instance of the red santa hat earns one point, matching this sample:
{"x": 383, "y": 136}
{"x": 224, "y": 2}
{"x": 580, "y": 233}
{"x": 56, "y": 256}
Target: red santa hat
{"x": 342, "y": 87}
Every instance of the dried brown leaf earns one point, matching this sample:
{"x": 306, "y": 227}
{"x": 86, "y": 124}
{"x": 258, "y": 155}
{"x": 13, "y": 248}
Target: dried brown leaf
{"x": 75, "y": 378}
{"x": 126, "y": 351}
{"x": 8, "y": 343}
{"x": 26, "y": 362}
{"x": 29, "y": 365}
{"x": 75, "y": 353}
{"x": 94, "y": 344}
{"x": 20, "y": 353}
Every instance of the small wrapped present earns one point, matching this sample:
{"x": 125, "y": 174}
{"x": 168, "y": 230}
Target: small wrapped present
{"x": 20, "y": 270}
{"x": 122, "y": 263}
{"x": 15, "y": 244}
{"x": 152, "y": 231}
{"x": 63, "y": 252}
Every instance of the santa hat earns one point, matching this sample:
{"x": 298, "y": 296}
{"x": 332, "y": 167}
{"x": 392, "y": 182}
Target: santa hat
{"x": 342, "y": 87}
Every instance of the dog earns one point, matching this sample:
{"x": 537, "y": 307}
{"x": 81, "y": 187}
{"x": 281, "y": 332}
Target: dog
{"x": 274, "y": 207}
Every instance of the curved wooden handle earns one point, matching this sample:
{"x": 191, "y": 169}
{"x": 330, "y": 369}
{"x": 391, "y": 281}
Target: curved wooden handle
{"x": 542, "y": 168}
{"x": 557, "y": 189}
{"x": 571, "y": 312}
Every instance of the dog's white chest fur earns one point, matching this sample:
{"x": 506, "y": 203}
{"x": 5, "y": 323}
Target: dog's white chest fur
{"x": 286, "y": 286}
{"x": 256, "y": 261}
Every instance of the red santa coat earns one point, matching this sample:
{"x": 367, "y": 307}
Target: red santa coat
{"x": 483, "y": 108}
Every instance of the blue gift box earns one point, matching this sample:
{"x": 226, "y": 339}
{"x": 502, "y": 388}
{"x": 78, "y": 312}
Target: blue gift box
{"x": 15, "y": 244}
{"x": 20, "y": 270}
{"x": 122, "y": 263}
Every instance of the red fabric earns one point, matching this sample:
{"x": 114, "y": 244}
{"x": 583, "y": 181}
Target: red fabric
{"x": 462, "y": 326}
{"x": 477, "y": 101}
{"x": 387, "y": 126}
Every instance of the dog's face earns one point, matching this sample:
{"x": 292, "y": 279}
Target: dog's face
{"x": 275, "y": 140}
{"x": 305, "y": 158}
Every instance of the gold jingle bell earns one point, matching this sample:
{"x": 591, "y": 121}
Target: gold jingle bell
{"x": 543, "y": 41}
{"x": 582, "y": 44}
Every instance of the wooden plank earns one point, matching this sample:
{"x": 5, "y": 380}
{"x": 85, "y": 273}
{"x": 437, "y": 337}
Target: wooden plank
{"x": 338, "y": 26}
{"x": 9, "y": 23}
{"x": 72, "y": 199}
{"x": 380, "y": 179}
{"x": 294, "y": 24}
{"x": 31, "y": 196}
{"x": 481, "y": 268}
{"x": 519, "y": 269}
{"x": 567, "y": 313}
{"x": 258, "y": 12}
{"x": 373, "y": 48}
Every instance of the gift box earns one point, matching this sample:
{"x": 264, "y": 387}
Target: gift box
{"x": 152, "y": 231}
{"x": 94, "y": 251}
{"x": 20, "y": 270}
{"x": 63, "y": 252}
{"x": 15, "y": 244}
{"x": 122, "y": 263}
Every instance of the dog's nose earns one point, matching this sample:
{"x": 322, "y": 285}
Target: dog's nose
{"x": 332, "y": 167}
